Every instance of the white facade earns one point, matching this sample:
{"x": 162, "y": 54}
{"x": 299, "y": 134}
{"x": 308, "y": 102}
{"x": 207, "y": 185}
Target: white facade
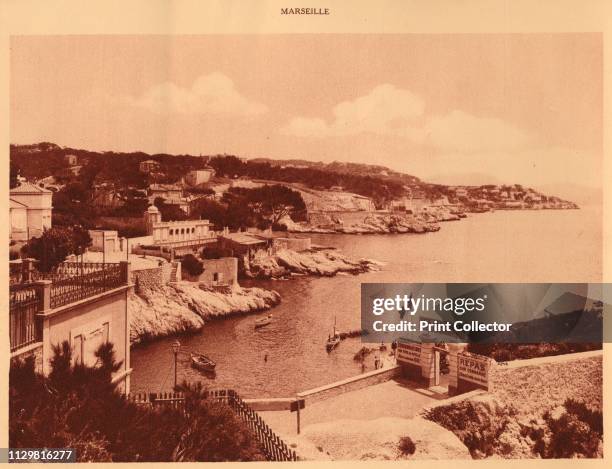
{"x": 168, "y": 232}
{"x": 38, "y": 208}
{"x": 104, "y": 241}
{"x": 19, "y": 220}
{"x": 199, "y": 176}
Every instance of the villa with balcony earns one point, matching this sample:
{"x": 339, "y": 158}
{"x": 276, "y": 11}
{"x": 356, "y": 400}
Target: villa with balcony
{"x": 82, "y": 303}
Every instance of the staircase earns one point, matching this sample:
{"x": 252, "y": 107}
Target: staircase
{"x": 173, "y": 278}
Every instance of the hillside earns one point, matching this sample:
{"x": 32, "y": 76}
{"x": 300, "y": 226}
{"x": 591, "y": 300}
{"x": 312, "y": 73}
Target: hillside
{"x": 381, "y": 184}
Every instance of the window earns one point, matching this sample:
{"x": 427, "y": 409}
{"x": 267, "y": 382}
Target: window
{"x": 171, "y": 232}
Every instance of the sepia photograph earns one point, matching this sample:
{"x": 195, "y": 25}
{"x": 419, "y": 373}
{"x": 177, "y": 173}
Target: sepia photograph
{"x": 192, "y": 219}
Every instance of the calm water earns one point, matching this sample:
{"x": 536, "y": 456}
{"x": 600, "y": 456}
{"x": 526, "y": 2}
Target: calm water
{"x": 505, "y": 246}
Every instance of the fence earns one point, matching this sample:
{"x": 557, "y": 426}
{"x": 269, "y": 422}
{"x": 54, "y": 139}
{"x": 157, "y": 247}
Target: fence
{"x": 24, "y": 326}
{"x": 273, "y": 447}
{"x": 69, "y": 282}
{"x": 74, "y": 281}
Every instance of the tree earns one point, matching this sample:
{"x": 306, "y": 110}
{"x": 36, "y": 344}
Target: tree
{"x": 55, "y": 244}
{"x": 13, "y": 173}
{"x": 192, "y": 265}
{"x": 270, "y": 203}
{"x": 169, "y": 212}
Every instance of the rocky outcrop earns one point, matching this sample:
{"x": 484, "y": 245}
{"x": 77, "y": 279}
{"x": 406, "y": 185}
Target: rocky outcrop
{"x": 375, "y": 223}
{"x": 325, "y": 262}
{"x": 183, "y": 307}
{"x": 380, "y": 439}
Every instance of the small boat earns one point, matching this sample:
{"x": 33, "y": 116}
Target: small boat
{"x": 202, "y": 362}
{"x": 261, "y": 322}
{"x": 333, "y": 340}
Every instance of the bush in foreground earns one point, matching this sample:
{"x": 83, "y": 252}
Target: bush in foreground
{"x": 78, "y": 406}
{"x": 407, "y": 446}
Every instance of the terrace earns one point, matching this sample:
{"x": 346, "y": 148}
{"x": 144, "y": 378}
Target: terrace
{"x": 34, "y": 293}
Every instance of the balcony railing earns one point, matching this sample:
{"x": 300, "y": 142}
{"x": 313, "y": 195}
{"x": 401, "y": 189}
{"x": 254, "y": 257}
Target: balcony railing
{"x": 68, "y": 283}
{"x": 76, "y": 281}
{"x": 24, "y": 326}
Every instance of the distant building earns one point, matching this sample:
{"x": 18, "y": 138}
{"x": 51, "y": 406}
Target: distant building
{"x": 104, "y": 241}
{"x": 199, "y": 176}
{"x": 175, "y": 233}
{"x": 37, "y": 203}
{"x": 149, "y": 166}
{"x": 71, "y": 160}
{"x": 171, "y": 193}
{"x": 244, "y": 246}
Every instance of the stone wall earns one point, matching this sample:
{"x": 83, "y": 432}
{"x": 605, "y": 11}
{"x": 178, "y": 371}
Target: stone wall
{"x": 349, "y": 384}
{"x": 147, "y": 279}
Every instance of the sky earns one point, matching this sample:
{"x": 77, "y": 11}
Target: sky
{"x": 448, "y": 108}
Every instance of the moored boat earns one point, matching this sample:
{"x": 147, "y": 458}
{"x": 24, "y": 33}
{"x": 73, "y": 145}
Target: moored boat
{"x": 202, "y": 362}
{"x": 333, "y": 340}
{"x": 263, "y": 321}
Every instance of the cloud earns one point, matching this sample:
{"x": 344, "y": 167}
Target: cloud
{"x": 391, "y": 111}
{"x": 463, "y": 132}
{"x": 210, "y": 94}
{"x": 385, "y": 110}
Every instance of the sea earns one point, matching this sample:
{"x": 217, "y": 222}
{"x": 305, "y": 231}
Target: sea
{"x": 289, "y": 356}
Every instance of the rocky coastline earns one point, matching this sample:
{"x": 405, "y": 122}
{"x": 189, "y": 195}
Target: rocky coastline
{"x": 323, "y": 262}
{"x": 185, "y": 307}
{"x": 377, "y": 223}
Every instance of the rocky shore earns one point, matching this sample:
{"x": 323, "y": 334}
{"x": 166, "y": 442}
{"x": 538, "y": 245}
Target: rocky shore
{"x": 185, "y": 307}
{"x": 325, "y": 262}
{"x": 375, "y": 223}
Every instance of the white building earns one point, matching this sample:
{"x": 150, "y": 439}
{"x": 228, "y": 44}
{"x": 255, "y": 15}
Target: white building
{"x": 172, "y": 232}
{"x": 199, "y": 176}
{"x": 104, "y": 241}
{"x": 36, "y": 203}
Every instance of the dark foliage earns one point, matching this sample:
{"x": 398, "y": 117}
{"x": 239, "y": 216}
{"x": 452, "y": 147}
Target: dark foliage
{"x": 508, "y": 352}
{"x": 576, "y": 433}
{"x": 192, "y": 265}
{"x": 78, "y": 406}
{"x": 56, "y": 244}
{"x": 406, "y": 446}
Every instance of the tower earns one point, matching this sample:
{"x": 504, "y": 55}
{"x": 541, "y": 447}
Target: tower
{"x": 151, "y": 216}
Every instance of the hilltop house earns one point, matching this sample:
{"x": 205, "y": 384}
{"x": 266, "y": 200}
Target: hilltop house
{"x": 149, "y": 166}
{"x": 30, "y": 211}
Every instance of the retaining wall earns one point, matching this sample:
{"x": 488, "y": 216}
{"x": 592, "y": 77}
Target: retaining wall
{"x": 350, "y": 384}
{"x": 147, "y": 279}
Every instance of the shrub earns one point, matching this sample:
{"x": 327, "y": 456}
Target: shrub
{"x": 406, "y": 446}
{"x": 78, "y": 406}
{"x": 192, "y": 265}
{"x": 477, "y": 424}
{"x": 575, "y": 433}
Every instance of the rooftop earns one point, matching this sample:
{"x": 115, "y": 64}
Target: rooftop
{"x": 29, "y": 188}
{"x": 243, "y": 238}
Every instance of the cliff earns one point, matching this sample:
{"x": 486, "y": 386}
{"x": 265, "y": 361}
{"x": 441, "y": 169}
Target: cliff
{"x": 183, "y": 307}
